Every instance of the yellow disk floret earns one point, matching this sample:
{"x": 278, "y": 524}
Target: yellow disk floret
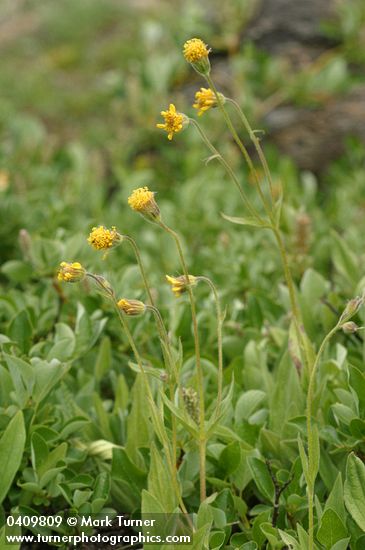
{"x": 195, "y": 50}
{"x": 71, "y": 272}
{"x": 174, "y": 121}
{"x": 204, "y": 100}
{"x": 102, "y": 238}
{"x": 142, "y": 200}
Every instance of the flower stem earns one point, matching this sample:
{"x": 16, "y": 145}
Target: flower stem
{"x": 240, "y": 145}
{"x": 219, "y": 341}
{"x": 202, "y": 437}
{"x": 256, "y": 143}
{"x": 228, "y": 169}
{"x": 137, "y": 253}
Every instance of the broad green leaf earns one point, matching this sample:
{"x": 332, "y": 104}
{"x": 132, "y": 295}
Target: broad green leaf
{"x": 354, "y": 490}
{"x": 331, "y": 529}
{"x": 261, "y": 477}
{"x": 103, "y": 360}
{"x": 11, "y": 452}
{"x": 230, "y": 458}
{"x": 247, "y": 403}
{"x": 160, "y": 483}
{"x": 22, "y": 375}
{"x": 21, "y": 330}
{"x": 7, "y": 531}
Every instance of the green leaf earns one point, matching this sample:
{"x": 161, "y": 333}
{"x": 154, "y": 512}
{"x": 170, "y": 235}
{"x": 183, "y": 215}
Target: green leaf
{"x": 7, "y": 531}
{"x": 11, "y": 452}
{"x": 21, "y": 330}
{"x": 261, "y": 477}
{"x": 354, "y": 490}
{"x": 104, "y": 358}
{"x": 331, "y": 529}
{"x": 230, "y": 457}
{"x": 247, "y": 403}
{"x": 313, "y": 471}
{"x": 22, "y": 375}
{"x": 160, "y": 483}
{"x": 138, "y": 424}
{"x": 303, "y": 458}
{"x": 254, "y": 222}
{"x": 17, "y": 271}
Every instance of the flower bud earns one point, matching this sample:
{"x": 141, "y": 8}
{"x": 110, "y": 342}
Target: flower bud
{"x": 350, "y": 327}
{"x": 71, "y": 272}
{"x": 180, "y": 284}
{"x": 132, "y": 307}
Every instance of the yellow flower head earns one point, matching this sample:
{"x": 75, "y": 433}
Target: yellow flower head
{"x": 71, "y": 272}
{"x": 132, "y": 307}
{"x": 143, "y": 201}
{"x": 174, "y": 121}
{"x": 196, "y": 53}
{"x": 180, "y": 284}
{"x": 205, "y": 99}
{"x": 102, "y": 238}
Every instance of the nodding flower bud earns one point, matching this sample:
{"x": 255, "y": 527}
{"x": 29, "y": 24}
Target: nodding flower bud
{"x": 180, "y": 284}
{"x": 174, "y": 121}
{"x": 71, "y": 272}
{"x": 142, "y": 200}
{"x": 205, "y": 99}
{"x": 197, "y": 54}
{"x": 350, "y": 327}
{"x": 132, "y": 307}
{"x": 352, "y": 308}
{"x": 102, "y": 238}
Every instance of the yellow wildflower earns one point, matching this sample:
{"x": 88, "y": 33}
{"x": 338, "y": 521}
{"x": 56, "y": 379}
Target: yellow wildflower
{"x": 142, "y": 200}
{"x": 102, "y": 238}
{"x": 180, "y": 284}
{"x": 196, "y": 53}
{"x": 174, "y": 121}
{"x": 132, "y": 307}
{"x": 205, "y": 99}
{"x": 71, "y": 272}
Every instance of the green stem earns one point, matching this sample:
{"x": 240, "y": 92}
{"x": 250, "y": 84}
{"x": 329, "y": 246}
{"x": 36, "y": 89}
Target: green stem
{"x": 240, "y": 145}
{"x": 202, "y": 437}
{"x": 310, "y": 393}
{"x": 137, "y": 253}
{"x": 228, "y": 169}
{"x": 256, "y": 143}
{"x": 172, "y": 373}
{"x": 219, "y": 341}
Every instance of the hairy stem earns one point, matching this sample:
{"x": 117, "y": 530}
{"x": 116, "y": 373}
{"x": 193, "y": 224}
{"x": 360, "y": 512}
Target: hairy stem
{"x": 202, "y": 438}
{"x": 219, "y": 341}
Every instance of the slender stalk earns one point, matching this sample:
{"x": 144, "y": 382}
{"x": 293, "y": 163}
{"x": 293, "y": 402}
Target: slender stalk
{"x": 241, "y": 147}
{"x": 170, "y": 460}
{"x": 137, "y": 253}
{"x": 273, "y": 225}
{"x": 172, "y": 373}
{"x": 311, "y": 480}
{"x": 256, "y": 143}
{"x": 219, "y": 341}
{"x": 228, "y": 169}
{"x": 202, "y": 437}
